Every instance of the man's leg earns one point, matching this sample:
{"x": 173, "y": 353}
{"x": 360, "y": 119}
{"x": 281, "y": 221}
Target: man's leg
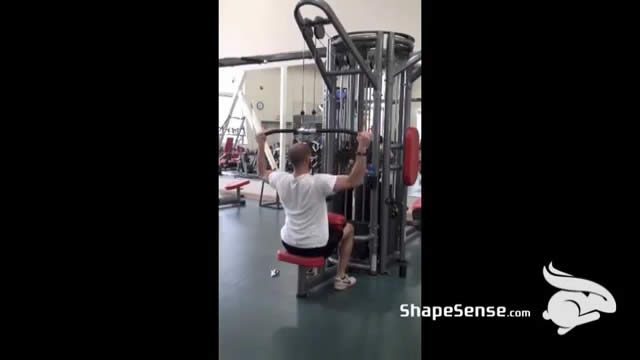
{"x": 344, "y": 251}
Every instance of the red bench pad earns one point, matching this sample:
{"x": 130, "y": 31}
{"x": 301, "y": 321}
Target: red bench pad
{"x": 236, "y": 184}
{"x": 411, "y": 164}
{"x": 336, "y": 221}
{"x": 283, "y": 255}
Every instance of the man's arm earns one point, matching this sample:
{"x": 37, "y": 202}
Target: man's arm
{"x": 356, "y": 177}
{"x": 262, "y": 167}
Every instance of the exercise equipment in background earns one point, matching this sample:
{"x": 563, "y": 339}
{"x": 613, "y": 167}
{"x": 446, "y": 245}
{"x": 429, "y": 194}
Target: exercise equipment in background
{"x": 233, "y": 200}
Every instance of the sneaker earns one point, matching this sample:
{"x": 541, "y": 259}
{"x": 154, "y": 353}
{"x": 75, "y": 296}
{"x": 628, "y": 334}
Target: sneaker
{"x": 345, "y": 282}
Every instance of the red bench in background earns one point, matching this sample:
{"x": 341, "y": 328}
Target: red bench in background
{"x": 233, "y": 200}
{"x": 230, "y": 157}
{"x": 236, "y": 184}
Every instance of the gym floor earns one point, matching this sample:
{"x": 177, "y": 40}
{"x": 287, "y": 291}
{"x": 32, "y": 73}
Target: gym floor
{"x": 261, "y": 318}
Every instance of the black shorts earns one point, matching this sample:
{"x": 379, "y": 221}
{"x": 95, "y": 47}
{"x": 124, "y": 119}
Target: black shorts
{"x": 325, "y": 251}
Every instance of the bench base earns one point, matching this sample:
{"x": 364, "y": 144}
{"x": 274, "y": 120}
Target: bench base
{"x": 232, "y": 202}
{"x": 308, "y": 284}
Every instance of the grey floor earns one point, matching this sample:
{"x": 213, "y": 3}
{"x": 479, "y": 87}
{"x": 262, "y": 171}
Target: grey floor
{"x": 261, "y": 318}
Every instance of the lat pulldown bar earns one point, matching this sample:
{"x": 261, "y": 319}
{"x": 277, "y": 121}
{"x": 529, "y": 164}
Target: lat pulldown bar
{"x": 304, "y": 131}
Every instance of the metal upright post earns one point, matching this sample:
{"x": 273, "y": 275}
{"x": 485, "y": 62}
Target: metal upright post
{"x": 351, "y": 93}
{"x": 398, "y": 141}
{"x": 401, "y": 103}
{"x": 353, "y": 125}
{"x": 241, "y": 133}
{"x": 375, "y": 155}
{"x": 406, "y": 119}
{"x": 330, "y": 141}
{"x": 388, "y": 115}
{"x": 283, "y": 115}
{"x": 360, "y": 121}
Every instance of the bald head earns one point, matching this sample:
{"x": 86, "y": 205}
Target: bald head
{"x": 299, "y": 154}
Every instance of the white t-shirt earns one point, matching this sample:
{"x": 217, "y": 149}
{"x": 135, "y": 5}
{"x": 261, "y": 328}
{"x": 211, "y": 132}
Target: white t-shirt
{"x": 305, "y": 207}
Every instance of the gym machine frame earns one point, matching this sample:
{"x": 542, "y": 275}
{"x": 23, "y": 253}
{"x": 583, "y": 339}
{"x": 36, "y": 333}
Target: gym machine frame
{"x": 387, "y": 75}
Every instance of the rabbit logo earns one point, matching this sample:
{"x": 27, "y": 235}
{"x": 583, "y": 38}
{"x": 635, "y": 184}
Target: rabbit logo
{"x": 578, "y": 302}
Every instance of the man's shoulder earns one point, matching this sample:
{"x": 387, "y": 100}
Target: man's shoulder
{"x": 323, "y": 175}
{"x": 279, "y": 176}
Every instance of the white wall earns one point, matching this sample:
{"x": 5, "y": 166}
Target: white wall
{"x": 269, "y": 95}
{"x": 294, "y": 89}
{"x": 227, "y": 82}
{"x": 259, "y": 27}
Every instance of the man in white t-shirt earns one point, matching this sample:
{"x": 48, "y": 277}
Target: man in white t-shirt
{"x": 306, "y": 229}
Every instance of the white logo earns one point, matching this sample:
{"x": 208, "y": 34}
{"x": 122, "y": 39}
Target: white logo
{"x": 577, "y": 303}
